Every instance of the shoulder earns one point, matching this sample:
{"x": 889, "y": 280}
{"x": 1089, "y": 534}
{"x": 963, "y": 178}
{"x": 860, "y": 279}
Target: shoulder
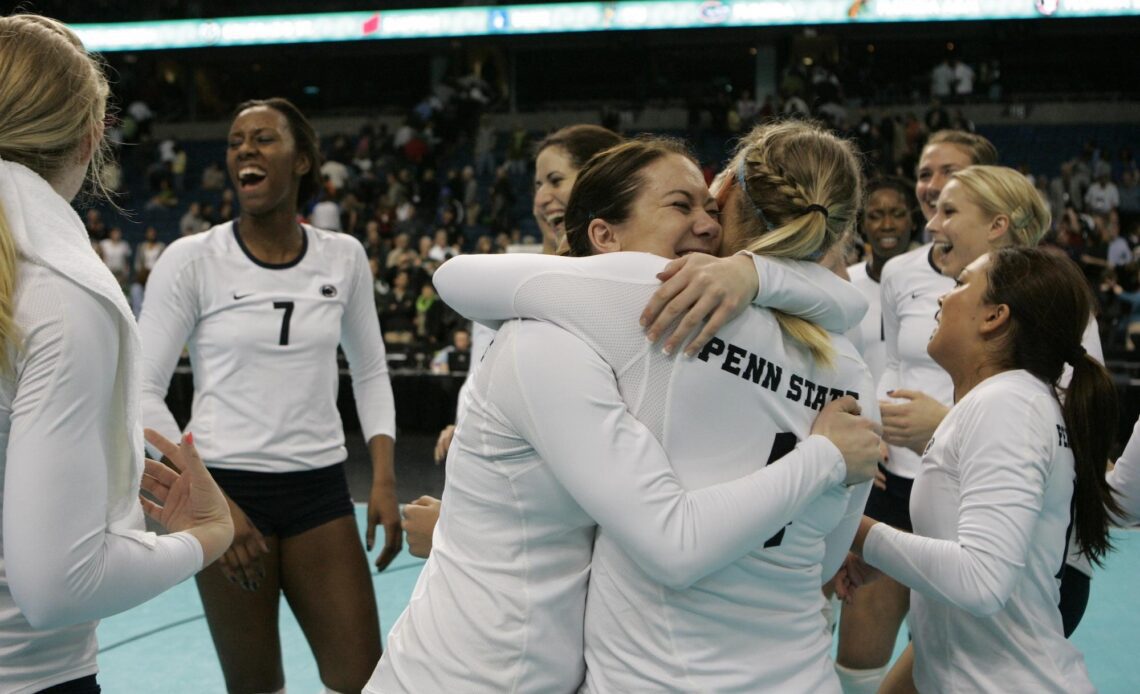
{"x": 907, "y": 262}
{"x": 214, "y": 241}
{"x": 1014, "y": 400}
{"x": 857, "y": 272}
{"x": 335, "y": 243}
{"x": 51, "y": 309}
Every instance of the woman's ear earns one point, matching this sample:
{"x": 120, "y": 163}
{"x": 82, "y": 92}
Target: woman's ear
{"x": 999, "y": 228}
{"x": 995, "y": 318}
{"x": 603, "y": 237}
{"x": 302, "y": 165}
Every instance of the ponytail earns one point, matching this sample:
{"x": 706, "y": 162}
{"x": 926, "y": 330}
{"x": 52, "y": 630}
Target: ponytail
{"x": 1089, "y": 408}
{"x": 1050, "y": 303}
{"x": 801, "y": 189}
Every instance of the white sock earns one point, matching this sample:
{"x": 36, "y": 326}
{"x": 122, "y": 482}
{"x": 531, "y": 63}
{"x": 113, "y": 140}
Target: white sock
{"x": 861, "y": 681}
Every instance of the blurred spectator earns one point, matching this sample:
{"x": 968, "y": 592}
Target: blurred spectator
{"x": 440, "y": 249}
{"x": 484, "y": 244}
{"x": 398, "y": 311}
{"x": 213, "y": 177}
{"x": 146, "y": 255}
{"x": 326, "y": 213}
{"x": 96, "y": 229}
{"x": 518, "y": 151}
{"x": 484, "y": 150}
{"x": 116, "y": 254}
{"x": 193, "y": 221}
{"x": 942, "y": 80}
{"x": 455, "y": 357}
{"x": 963, "y": 79}
{"x": 335, "y": 174}
{"x": 1102, "y": 196}
{"x": 164, "y": 198}
{"x": 430, "y": 326}
{"x": 178, "y": 168}
{"x": 400, "y": 247}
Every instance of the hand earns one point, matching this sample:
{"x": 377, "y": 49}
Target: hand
{"x": 854, "y": 574}
{"x": 243, "y": 562}
{"x": 856, "y": 438}
{"x": 420, "y": 518}
{"x": 443, "y": 443}
{"x": 186, "y": 496}
{"x": 383, "y": 510}
{"x": 703, "y": 288}
{"x": 911, "y": 424}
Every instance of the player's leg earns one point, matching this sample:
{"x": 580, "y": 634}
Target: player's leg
{"x": 326, "y": 579}
{"x": 900, "y": 680}
{"x": 244, "y": 626}
{"x": 868, "y": 629}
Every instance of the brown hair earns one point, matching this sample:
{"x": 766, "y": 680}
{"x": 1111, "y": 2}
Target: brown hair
{"x": 1050, "y": 304}
{"x": 981, "y": 150}
{"x": 53, "y": 97}
{"x": 801, "y": 193}
{"x": 304, "y": 138}
{"x": 580, "y": 141}
{"x": 609, "y": 183}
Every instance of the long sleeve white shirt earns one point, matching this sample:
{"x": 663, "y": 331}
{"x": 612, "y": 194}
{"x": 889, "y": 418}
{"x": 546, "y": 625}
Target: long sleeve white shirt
{"x": 991, "y": 509}
{"x": 263, "y": 343}
{"x": 60, "y": 567}
{"x": 698, "y": 616}
{"x": 1125, "y": 479}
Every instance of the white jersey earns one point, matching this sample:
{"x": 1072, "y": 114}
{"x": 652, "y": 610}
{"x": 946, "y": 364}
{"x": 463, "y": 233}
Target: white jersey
{"x": 263, "y": 343}
{"x": 674, "y": 613}
{"x": 58, "y": 422}
{"x": 1125, "y": 479}
{"x": 911, "y": 286}
{"x": 873, "y": 345}
{"x": 991, "y": 509}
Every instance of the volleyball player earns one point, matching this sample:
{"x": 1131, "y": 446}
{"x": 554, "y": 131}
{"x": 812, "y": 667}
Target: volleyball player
{"x": 888, "y": 226}
{"x": 74, "y": 547}
{"x": 1016, "y": 461}
{"x": 917, "y": 394}
{"x": 753, "y": 624}
{"x": 263, "y": 302}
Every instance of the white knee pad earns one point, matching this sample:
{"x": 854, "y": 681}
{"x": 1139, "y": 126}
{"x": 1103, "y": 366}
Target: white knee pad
{"x": 861, "y": 681}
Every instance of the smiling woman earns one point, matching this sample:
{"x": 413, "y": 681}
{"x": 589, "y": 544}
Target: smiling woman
{"x": 558, "y": 159}
{"x": 263, "y": 303}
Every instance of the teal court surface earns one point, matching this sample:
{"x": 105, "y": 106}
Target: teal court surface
{"x": 164, "y": 645}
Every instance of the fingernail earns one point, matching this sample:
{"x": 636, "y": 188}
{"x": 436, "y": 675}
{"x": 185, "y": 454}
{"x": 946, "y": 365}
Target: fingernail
{"x": 189, "y": 438}
{"x": 667, "y": 351}
{"x": 651, "y": 336}
{"x": 642, "y": 321}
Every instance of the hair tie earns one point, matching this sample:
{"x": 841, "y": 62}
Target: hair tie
{"x": 816, "y": 208}
{"x": 1077, "y": 355}
{"x": 740, "y": 179}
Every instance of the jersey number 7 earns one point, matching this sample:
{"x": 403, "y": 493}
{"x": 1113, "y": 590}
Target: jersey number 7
{"x": 784, "y": 443}
{"x": 286, "y": 306}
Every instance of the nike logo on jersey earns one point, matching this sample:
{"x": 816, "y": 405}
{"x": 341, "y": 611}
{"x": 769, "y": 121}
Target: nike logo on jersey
{"x": 914, "y": 295}
{"x": 239, "y": 297}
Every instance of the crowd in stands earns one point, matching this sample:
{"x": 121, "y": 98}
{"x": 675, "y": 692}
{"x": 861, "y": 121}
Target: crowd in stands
{"x": 447, "y": 182}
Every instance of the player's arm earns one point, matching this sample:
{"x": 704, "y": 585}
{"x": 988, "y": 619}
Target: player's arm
{"x": 569, "y": 408}
{"x": 375, "y": 405}
{"x": 169, "y": 315}
{"x": 63, "y": 563}
{"x": 1004, "y": 456}
{"x": 1124, "y": 479}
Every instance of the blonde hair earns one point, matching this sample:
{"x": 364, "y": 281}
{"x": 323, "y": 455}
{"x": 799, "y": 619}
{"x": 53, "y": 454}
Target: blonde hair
{"x": 1000, "y": 190}
{"x": 801, "y": 191}
{"x": 53, "y": 97}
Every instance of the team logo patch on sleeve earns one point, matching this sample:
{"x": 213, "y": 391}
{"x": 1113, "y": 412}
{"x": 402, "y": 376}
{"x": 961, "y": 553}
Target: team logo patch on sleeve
{"x": 328, "y": 291}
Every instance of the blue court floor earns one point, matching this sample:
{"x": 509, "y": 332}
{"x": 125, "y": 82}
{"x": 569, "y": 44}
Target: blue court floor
{"x": 164, "y": 646}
